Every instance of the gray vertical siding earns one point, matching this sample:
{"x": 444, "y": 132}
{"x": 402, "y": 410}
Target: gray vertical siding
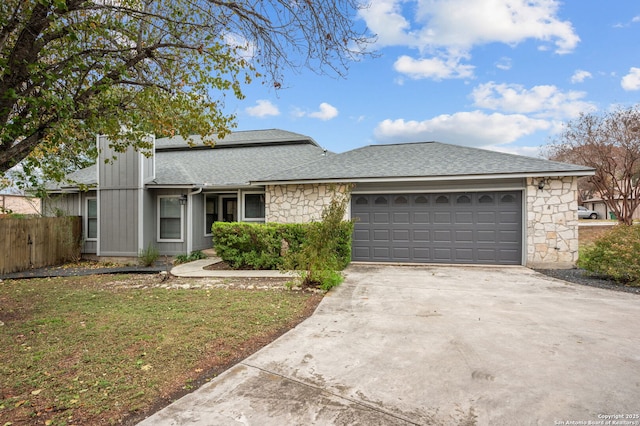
{"x": 118, "y": 216}
{"x": 119, "y": 185}
{"x": 61, "y": 204}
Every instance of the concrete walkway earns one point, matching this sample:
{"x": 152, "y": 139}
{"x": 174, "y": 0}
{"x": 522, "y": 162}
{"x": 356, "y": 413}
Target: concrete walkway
{"x": 196, "y": 269}
{"x": 437, "y": 345}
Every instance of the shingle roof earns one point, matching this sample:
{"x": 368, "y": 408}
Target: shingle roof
{"x": 235, "y": 161}
{"x": 229, "y": 167}
{"x": 422, "y": 159}
{"x": 249, "y": 137}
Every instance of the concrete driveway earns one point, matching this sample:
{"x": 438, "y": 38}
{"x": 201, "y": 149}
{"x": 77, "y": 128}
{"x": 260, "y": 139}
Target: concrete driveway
{"x": 438, "y": 345}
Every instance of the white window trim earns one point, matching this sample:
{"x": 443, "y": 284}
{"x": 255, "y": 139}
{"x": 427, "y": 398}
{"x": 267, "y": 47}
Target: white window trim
{"x": 253, "y": 219}
{"x": 169, "y": 240}
{"x": 86, "y": 219}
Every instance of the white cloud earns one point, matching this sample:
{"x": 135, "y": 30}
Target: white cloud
{"x": 326, "y": 112}
{"x": 434, "y": 68}
{"x": 459, "y": 25}
{"x": 528, "y": 151}
{"x": 580, "y": 75}
{"x": 631, "y": 81}
{"x": 385, "y": 19}
{"x": 264, "y": 108}
{"x": 504, "y": 63}
{"x": 540, "y": 101}
{"x": 474, "y": 128}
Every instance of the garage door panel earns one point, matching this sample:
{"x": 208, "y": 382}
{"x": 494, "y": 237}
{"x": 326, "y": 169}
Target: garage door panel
{"x": 420, "y": 235}
{"x": 381, "y": 218}
{"x": 442, "y": 218}
{"x": 486, "y": 217}
{"x": 442, "y": 236}
{"x": 464, "y": 218}
{"x": 509, "y": 237}
{"x": 401, "y": 218}
{"x": 510, "y": 256}
{"x": 361, "y": 252}
{"x": 511, "y": 217}
{"x": 363, "y": 235}
{"x": 483, "y": 227}
{"x": 421, "y": 254}
{"x": 486, "y": 236}
{"x": 442, "y": 254}
{"x": 381, "y": 235}
{"x": 401, "y": 254}
{"x": 401, "y": 235}
{"x": 464, "y": 236}
{"x": 362, "y": 217}
{"x": 421, "y": 218}
{"x": 464, "y": 255}
{"x": 487, "y": 255}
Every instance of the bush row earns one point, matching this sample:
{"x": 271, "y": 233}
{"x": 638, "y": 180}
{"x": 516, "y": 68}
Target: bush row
{"x": 264, "y": 246}
{"x": 615, "y": 255}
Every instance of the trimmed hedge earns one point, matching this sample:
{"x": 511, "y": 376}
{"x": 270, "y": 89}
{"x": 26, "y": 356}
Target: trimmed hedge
{"x": 262, "y": 246}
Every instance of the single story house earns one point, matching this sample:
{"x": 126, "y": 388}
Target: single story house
{"x": 604, "y": 212}
{"x": 426, "y": 202}
{"x": 21, "y": 204}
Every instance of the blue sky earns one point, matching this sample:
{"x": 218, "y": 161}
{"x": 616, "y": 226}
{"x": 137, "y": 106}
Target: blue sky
{"x": 495, "y": 74}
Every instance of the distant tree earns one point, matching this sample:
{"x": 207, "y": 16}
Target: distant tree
{"x": 610, "y": 143}
{"x": 72, "y": 68}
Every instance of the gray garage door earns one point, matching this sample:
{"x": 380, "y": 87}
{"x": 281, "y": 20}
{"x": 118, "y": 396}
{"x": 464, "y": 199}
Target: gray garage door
{"x": 470, "y": 227}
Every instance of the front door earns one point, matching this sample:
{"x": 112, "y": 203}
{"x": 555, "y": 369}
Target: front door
{"x": 230, "y": 209}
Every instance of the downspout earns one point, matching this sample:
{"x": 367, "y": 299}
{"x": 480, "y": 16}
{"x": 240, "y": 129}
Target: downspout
{"x": 98, "y": 203}
{"x": 190, "y": 232}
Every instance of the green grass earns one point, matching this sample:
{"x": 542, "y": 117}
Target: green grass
{"x": 80, "y": 351}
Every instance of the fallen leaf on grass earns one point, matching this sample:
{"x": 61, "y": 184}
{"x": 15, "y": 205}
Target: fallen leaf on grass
{"x": 20, "y": 403}
{"x": 36, "y": 392}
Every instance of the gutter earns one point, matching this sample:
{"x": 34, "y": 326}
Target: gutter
{"x": 424, "y": 178}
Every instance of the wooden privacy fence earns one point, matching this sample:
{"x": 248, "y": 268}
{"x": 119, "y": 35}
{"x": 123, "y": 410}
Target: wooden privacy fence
{"x": 38, "y": 242}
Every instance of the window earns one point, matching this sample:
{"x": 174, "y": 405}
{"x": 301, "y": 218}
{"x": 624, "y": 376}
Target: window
{"x": 401, "y": 200}
{"x": 210, "y": 212}
{"x": 421, "y": 199}
{"x": 91, "y": 225}
{"x": 485, "y": 199}
{"x": 380, "y": 201}
{"x": 508, "y": 198}
{"x": 254, "y": 206}
{"x": 361, "y": 201}
{"x": 442, "y": 199}
{"x": 463, "y": 199}
{"x": 169, "y": 219}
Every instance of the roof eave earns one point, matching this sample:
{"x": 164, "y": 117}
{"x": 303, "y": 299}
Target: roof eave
{"x": 578, "y": 173}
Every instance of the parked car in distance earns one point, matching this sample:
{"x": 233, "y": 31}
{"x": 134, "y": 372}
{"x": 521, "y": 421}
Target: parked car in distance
{"x": 585, "y": 213}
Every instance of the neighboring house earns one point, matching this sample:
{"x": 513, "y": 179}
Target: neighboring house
{"x": 604, "y": 212}
{"x": 19, "y": 204}
{"x": 417, "y": 202}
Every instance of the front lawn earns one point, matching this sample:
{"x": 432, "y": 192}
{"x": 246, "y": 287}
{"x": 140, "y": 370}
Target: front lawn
{"x": 110, "y": 349}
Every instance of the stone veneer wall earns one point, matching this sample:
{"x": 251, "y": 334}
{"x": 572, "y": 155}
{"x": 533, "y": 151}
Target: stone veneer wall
{"x": 552, "y": 223}
{"x": 299, "y": 203}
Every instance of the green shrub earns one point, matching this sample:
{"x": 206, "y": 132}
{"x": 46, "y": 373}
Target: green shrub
{"x": 185, "y": 258}
{"x": 267, "y": 246}
{"x": 326, "y": 248}
{"x": 148, "y": 256}
{"x": 615, "y": 255}
{"x": 256, "y": 246}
